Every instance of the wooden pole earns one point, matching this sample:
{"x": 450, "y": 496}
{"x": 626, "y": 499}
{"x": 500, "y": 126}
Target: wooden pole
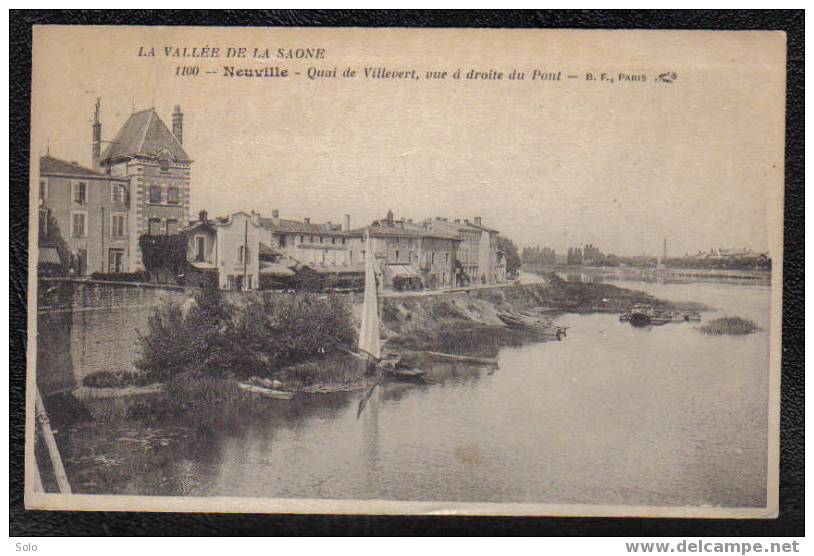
{"x": 51, "y": 443}
{"x": 245, "y": 254}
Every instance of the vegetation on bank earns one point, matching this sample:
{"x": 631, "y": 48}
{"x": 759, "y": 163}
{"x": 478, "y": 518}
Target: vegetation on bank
{"x": 254, "y": 336}
{"x": 731, "y": 326}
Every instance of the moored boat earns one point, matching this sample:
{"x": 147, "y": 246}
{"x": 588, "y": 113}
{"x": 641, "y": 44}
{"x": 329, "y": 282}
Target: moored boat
{"x": 527, "y": 323}
{"x": 266, "y": 392}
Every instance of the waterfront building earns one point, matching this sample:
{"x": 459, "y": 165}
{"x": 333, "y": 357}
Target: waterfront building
{"x": 237, "y": 251}
{"x": 479, "y": 260}
{"x": 138, "y": 185}
{"x": 322, "y": 248}
{"x": 84, "y": 217}
{"x": 156, "y": 169}
{"x": 408, "y": 255}
{"x": 202, "y": 249}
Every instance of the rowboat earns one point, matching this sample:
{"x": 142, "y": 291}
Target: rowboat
{"x": 407, "y": 375}
{"x": 462, "y": 358}
{"x": 527, "y": 323}
{"x": 266, "y": 392}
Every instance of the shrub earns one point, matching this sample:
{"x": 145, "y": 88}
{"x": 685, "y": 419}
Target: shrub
{"x": 165, "y": 346}
{"x": 258, "y": 336}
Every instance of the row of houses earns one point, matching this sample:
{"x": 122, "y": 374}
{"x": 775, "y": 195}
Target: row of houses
{"x": 91, "y": 220}
{"x": 246, "y": 251}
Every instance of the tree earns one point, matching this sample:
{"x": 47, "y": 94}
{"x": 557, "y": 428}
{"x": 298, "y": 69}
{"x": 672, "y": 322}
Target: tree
{"x": 166, "y": 253}
{"x": 513, "y": 262}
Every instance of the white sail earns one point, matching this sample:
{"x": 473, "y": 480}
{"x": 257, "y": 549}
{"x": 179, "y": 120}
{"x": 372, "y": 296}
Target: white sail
{"x": 369, "y": 331}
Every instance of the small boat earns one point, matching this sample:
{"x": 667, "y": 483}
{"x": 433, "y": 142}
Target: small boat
{"x": 462, "y": 358}
{"x": 526, "y": 323}
{"x": 267, "y": 392}
{"x": 407, "y": 375}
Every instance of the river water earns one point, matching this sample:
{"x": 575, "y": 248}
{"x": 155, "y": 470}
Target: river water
{"x": 610, "y": 415}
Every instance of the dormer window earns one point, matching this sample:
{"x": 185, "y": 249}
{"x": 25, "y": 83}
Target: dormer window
{"x": 164, "y": 161}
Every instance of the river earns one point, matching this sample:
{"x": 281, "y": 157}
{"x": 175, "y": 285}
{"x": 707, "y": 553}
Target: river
{"x": 610, "y": 415}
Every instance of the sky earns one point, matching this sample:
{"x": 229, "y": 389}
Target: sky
{"x": 621, "y": 166}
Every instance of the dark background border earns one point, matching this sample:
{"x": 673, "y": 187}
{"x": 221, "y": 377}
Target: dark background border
{"x": 792, "y": 450}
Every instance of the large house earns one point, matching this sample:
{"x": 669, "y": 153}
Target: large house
{"x": 408, "y": 255}
{"x": 83, "y": 216}
{"x": 153, "y": 160}
{"x": 480, "y": 260}
{"x": 138, "y": 185}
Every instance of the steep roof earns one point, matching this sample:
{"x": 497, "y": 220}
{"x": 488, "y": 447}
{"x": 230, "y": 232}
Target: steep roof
{"x": 51, "y": 165}
{"x": 282, "y": 225}
{"x": 144, "y": 134}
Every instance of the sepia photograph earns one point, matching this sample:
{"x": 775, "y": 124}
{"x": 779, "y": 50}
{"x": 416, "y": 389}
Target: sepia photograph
{"x": 405, "y": 271}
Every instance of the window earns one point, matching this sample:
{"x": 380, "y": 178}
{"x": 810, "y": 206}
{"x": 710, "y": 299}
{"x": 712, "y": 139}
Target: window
{"x": 397, "y": 255}
{"x": 240, "y": 252}
{"x": 154, "y": 226}
{"x": 282, "y": 241}
{"x": 200, "y": 247}
{"x": 172, "y": 195}
{"x": 80, "y": 192}
{"x": 164, "y": 160}
{"x": 333, "y": 241}
{"x": 116, "y": 193}
{"x": 78, "y": 224}
{"x": 302, "y": 239}
{"x": 115, "y": 260}
{"x": 43, "y": 231}
{"x": 172, "y": 227}
{"x": 117, "y": 225}
{"x": 155, "y": 193}
{"x": 43, "y": 191}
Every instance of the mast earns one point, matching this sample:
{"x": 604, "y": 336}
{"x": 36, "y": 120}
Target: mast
{"x": 369, "y": 342}
{"x": 245, "y": 254}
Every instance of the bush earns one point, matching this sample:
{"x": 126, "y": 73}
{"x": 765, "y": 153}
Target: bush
{"x": 258, "y": 336}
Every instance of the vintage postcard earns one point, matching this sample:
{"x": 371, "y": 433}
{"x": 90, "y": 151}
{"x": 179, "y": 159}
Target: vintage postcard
{"x": 405, "y": 271}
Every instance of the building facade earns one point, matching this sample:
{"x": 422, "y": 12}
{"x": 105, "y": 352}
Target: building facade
{"x": 408, "y": 255}
{"x": 87, "y": 212}
{"x": 237, "y": 251}
{"x": 151, "y": 160}
{"x": 306, "y": 243}
{"x": 479, "y": 260}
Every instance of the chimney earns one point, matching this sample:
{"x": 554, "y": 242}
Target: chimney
{"x": 275, "y": 213}
{"x": 203, "y": 216}
{"x": 178, "y": 124}
{"x": 478, "y": 221}
{"x": 96, "y": 143}
{"x": 347, "y": 223}
{"x": 306, "y": 220}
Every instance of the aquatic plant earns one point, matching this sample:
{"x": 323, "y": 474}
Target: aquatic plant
{"x": 729, "y": 326}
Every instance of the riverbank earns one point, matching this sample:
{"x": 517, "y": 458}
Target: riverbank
{"x": 464, "y": 323}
